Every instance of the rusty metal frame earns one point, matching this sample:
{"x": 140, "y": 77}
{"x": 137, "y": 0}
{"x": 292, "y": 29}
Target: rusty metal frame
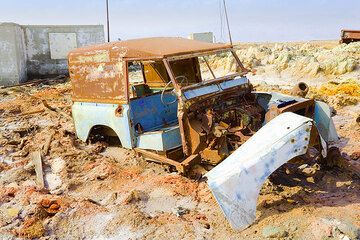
{"x": 126, "y": 75}
{"x": 243, "y": 69}
{"x": 204, "y": 83}
{"x": 210, "y": 81}
{"x": 298, "y": 106}
{"x": 181, "y": 167}
{"x": 198, "y": 54}
{"x": 143, "y": 59}
{"x": 93, "y": 100}
{"x": 208, "y": 65}
{"x": 172, "y": 77}
{"x": 182, "y": 131}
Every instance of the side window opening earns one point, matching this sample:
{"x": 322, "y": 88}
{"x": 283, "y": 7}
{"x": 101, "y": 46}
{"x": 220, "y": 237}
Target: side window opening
{"x": 186, "y": 71}
{"x": 146, "y": 78}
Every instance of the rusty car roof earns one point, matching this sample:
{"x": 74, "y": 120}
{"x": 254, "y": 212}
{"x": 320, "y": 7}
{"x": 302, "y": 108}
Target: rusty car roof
{"x": 157, "y": 47}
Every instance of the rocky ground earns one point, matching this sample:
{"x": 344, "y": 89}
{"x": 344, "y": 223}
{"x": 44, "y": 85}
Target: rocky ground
{"x": 97, "y": 190}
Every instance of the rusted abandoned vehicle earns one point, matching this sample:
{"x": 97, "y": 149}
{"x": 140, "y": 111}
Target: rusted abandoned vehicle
{"x": 349, "y": 36}
{"x": 171, "y": 100}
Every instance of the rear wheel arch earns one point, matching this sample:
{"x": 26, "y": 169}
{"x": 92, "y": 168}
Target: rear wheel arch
{"x": 97, "y": 132}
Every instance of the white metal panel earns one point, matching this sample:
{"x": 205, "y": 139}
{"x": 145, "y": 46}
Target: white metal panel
{"x": 236, "y": 182}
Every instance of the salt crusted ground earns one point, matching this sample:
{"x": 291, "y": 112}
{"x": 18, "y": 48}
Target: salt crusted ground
{"x": 100, "y": 191}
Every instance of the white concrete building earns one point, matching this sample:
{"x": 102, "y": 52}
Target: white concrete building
{"x": 204, "y": 37}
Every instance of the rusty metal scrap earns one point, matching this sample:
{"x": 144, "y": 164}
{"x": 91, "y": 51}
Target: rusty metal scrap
{"x": 300, "y": 89}
{"x": 181, "y": 166}
{"x": 348, "y": 36}
{"x": 219, "y": 125}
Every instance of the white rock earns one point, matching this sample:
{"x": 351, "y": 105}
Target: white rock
{"x": 57, "y": 165}
{"x": 53, "y": 181}
{"x": 29, "y": 183}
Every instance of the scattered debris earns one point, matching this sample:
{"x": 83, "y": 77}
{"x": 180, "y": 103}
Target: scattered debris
{"x": 180, "y": 211}
{"x": 47, "y": 144}
{"x": 310, "y": 180}
{"x": 134, "y": 196}
{"x": 355, "y": 155}
{"x": 36, "y": 160}
{"x": 341, "y": 184}
{"x": 51, "y": 206}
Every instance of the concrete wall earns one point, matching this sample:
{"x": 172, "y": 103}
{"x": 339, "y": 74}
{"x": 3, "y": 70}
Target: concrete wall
{"x": 37, "y": 51}
{"x": 12, "y": 54}
{"x": 47, "y": 46}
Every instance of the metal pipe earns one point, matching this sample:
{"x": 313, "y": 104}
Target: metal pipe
{"x": 107, "y": 21}
{"x": 227, "y": 22}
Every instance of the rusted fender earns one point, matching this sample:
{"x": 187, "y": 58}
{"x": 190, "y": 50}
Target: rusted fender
{"x": 236, "y": 182}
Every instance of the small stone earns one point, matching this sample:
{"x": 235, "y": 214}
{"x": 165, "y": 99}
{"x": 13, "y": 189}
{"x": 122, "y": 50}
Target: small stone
{"x": 135, "y": 196}
{"x": 29, "y": 166}
{"x": 303, "y": 166}
{"x": 53, "y": 181}
{"x": 54, "y": 207}
{"x": 45, "y": 202}
{"x": 349, "y": 229}
{"x": 13, "y": 212}
{"x": 13, "y": 185}
{"x": 341, "y": 184}
{"x": 110, "y": 199}
{"x": 310, "y": 170}
{"x": 310, "y": 180}
{"x": 29, "y": 183}
{"x": 344, "y": 237}
{"x": 207, "y": 225}
{"x": 355, "y": 156}
{"x": 180, "y": 211}
{"x": 274, "y": 232}
{"x": 57, "y": 165}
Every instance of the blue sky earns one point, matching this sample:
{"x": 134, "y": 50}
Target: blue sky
{"x": 250, "y": 20}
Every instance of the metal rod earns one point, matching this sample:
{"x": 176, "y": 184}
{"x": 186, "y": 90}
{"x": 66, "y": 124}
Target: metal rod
{"x": 208, "y": 65}
{"x": 227, "y": 22}
{"x": 107, "y": 21}
{"x": 172, "y": 77}
{"x": 243, "y": 69}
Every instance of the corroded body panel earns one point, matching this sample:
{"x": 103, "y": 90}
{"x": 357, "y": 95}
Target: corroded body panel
{"x": 98, "y": 76}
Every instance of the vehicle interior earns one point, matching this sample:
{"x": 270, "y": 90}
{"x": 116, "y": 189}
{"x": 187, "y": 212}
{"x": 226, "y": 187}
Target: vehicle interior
{"x": 153, "y": 104}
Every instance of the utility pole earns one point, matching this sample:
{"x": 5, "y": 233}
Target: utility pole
{"x": 227, "y": 22}
{"x": 107, "y": 21}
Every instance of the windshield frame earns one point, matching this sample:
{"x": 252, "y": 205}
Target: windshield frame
{"x": 179, "y": 88}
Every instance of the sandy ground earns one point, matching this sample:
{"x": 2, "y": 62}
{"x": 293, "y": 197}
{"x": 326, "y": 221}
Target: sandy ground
{"x": 100, "y": 191}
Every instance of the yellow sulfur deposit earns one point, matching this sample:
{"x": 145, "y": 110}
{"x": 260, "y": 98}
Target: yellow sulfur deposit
{"x": 331, "y": 89}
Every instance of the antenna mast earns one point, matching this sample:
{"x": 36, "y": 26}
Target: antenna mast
{"x": 107, "y": 21}
{"x": 227, "y": 22}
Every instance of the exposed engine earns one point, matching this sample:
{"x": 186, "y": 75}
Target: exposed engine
{"x": 218, "y": 125}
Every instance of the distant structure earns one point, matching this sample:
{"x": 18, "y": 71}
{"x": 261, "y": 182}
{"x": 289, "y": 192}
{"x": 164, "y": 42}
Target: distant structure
{"x": 38, "y": 51}
{"x": 349, "y": 36}
{"x": 204, "y": 37}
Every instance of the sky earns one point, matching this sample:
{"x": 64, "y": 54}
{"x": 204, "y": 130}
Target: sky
{"x": 250, "y": 20}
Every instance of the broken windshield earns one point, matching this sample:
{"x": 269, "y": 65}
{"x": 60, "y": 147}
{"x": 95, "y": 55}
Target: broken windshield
{"x": 203, "y": 68}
